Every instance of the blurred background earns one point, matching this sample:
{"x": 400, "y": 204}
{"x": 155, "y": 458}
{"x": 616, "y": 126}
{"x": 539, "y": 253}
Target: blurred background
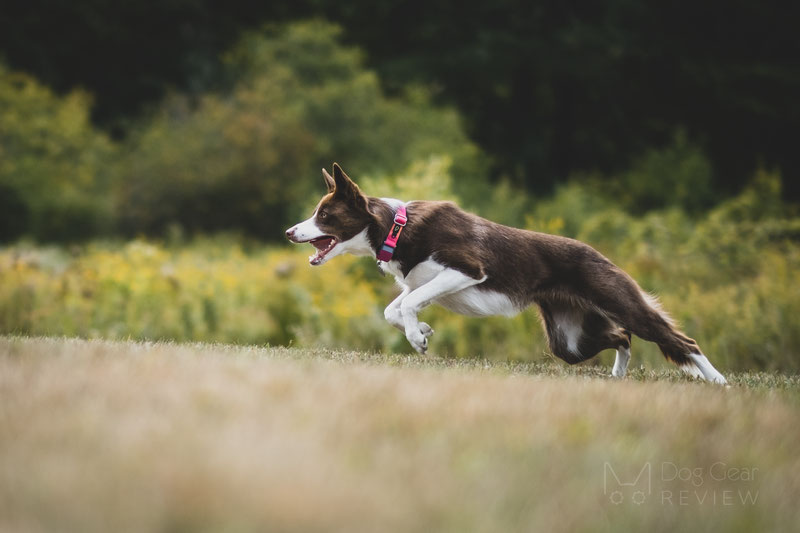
{"x": 152, "y": 154}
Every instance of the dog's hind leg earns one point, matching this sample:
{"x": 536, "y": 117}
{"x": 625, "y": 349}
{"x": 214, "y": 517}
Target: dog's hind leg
{"x": 563, "y": 324}
{"x": 621, "y": 361}
{"x": 617, "y": 294}
{"x": 623, "y": 356}
{"x": 576, "y": 331}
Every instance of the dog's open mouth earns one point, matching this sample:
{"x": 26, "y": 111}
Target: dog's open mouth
{"x": 323, "y": 245}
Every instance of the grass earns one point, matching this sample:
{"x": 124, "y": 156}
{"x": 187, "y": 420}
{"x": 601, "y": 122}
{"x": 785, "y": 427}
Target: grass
{"x": 132, "y": 436}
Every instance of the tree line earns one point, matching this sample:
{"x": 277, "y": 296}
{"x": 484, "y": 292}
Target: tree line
{"x": 546, "y": 89}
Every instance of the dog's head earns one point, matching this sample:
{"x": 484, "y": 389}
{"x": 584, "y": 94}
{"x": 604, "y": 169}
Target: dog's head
{"x": 339, "y": 220}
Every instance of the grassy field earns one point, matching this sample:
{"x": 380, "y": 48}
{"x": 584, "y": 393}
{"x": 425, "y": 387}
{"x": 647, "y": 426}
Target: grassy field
{"x": 129, "y": 436}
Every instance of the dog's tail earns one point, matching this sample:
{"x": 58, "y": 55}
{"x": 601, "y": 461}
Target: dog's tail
{"x": 653, "y": 324}
{"x": 621, "y": 298}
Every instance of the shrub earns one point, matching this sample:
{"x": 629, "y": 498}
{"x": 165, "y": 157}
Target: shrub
{"x": 52, "y": 179}
{"x": 676, "y": 175}
{"x": 249, "y": 158}
{"x": 210, "y": 291}
{"x": 740, "y": 302}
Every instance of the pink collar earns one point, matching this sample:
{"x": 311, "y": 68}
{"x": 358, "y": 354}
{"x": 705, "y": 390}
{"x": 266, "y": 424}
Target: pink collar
{"x": 387, "y": 250}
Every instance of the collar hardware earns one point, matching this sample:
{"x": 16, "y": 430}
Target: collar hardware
{"x": 387, "y": 249}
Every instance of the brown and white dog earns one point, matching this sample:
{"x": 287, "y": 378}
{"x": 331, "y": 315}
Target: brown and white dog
{"x": 476, "y": 267}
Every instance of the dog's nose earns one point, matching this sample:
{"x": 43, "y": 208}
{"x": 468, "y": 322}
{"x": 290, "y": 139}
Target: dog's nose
{"x": 290, "y": 234}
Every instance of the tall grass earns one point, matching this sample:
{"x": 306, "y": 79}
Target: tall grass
{"x": 210, "y": 291}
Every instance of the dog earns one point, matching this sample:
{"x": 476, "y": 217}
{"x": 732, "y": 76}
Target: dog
{"x": 441, "y": 254}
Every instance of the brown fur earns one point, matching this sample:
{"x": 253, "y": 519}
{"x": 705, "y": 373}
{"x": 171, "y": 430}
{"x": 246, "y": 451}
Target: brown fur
{"x": 564, "y": 277}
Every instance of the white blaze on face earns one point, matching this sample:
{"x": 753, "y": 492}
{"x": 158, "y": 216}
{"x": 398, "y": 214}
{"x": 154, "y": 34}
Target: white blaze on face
{"x": 307, "y": 230}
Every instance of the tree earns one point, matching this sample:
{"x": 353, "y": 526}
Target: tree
{"x": 53, "y": 181}
{"x": 249, "y": 158}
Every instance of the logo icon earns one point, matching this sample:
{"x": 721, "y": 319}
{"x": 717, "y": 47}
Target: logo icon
{"x": 636, "y": 488}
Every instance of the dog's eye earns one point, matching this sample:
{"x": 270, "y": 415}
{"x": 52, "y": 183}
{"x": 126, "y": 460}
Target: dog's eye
{"x": 322, "y": 214}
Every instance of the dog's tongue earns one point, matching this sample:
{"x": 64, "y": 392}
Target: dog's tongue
{"x": 321, "y": 244}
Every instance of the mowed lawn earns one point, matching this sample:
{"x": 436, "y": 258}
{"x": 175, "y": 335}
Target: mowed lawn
{"x": 126, "y": 436}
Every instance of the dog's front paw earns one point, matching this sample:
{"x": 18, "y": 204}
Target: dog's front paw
{"x": 418, "y": 341}
{"x": 425, "y": 329}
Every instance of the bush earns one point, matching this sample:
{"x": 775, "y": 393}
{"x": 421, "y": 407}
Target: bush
{"x": 677, "y": 175}
{"x": 209, "y": 291}
{"x": 250, "y": 158}
{"x": 52, "y": 180}
{"x": 731, "y": 279}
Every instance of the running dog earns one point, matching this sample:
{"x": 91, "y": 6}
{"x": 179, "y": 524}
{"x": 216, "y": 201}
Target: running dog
{"x": 473, "y": 266}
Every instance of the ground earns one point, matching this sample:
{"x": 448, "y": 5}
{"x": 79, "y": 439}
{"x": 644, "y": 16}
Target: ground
{"x": 129, "y": 436}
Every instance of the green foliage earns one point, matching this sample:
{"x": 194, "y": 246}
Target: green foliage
{"x": 565, "y": 212}
{"x": 249, "y": 158}
{"x": 230, "y": 163}
{"x": 677, "y": 175}
{"x": 550, "y": 89}
{"x": 732, "y": 280}
{"x": 212, "y": 291}
{"x": 424, "y": 180}
{"x": 246, "y": 159}
{"x": 546, "y": 88}
{"x": 52, "y": 177}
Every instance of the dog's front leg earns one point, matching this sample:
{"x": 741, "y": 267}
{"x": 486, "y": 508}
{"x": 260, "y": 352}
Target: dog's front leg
{"x": 394, "y": 317}
{"x": 392, "y": 311}
{"x": 445, "y": 282}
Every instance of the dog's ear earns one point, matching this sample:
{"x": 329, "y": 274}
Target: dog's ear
{"x": 342, "y": 180}
{"x": 346, "y": 188}
{"x": 329, "y": 181}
